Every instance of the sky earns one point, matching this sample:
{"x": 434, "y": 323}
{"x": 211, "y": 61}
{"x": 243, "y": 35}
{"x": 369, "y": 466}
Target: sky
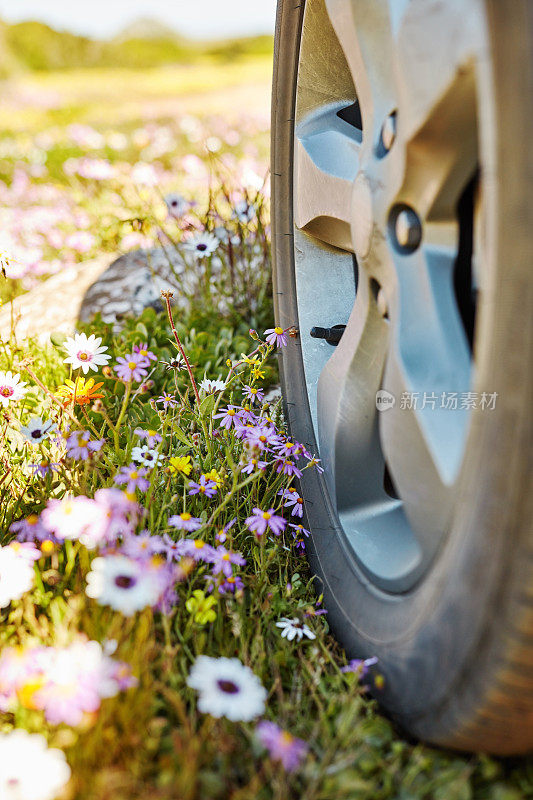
{"x": 200, "y": 19}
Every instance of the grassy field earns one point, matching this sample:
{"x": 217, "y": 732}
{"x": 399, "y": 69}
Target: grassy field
{"x": 104, "y": 663}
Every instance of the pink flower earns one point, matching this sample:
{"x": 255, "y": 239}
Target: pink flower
{"x": 81, "y": 241}
{"x": 281, "y": 745}
{"x": 185, "y": 522}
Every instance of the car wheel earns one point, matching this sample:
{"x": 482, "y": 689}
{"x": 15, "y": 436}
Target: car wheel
{"x": 402, "y": 219}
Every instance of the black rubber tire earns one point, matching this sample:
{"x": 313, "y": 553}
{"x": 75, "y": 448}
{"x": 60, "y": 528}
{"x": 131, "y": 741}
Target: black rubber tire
{"x": 457, "y": 650}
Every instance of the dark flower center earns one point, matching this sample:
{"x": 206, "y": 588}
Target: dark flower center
{"x": 201, "y": 247}
{"x": 228, "y": 686}
{"x": 36, "y": 434}
{"x": 125, "y": 581}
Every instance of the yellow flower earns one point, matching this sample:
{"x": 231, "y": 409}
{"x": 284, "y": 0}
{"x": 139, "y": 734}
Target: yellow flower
{"x": 249, "y": 360}
{"x": 81, "y": 391}
{"x": 214, "y": 476}
{"x": 257, "y": 373}
{"x": 201, "y": 607}
{"x": 180, "y": 464}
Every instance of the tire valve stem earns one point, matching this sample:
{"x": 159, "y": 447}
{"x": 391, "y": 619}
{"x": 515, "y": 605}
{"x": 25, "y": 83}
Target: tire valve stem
{"x": 331, "y": 335}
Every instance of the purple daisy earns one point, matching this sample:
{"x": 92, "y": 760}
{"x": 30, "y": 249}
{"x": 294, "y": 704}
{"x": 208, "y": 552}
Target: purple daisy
{"x": 281, "y": 745}
{"x": 223, "y": 560}
{"x": 134, "y": 477}
{"x": 260, "y": 520}
{"x": 289, "y": 468}
{"x": 152, "y": 437}
{"x": 229, "y": 416}
{"x": 276, "y": 337}
{"x": 253, "y": 394}
{"x": 131, "y": 367}
{"x": 204, "y": 486}
{"x": 185, "y": 522}
{"x": 293, "y": 501}
{"x": 80, "y": 445}
{"x": 167, "y": 401}
{"x": 142, "y": 350}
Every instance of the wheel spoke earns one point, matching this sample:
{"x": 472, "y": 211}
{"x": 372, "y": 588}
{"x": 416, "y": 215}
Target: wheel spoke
{"x": 347, "y": 416}
{"x": 436, "y": 44}
{"x": 363, "y": 28}
{"x": 326, "y": 163}
{"x": 428, "y": 372}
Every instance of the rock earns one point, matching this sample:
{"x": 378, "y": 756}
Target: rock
{"x": 130, "y": 284}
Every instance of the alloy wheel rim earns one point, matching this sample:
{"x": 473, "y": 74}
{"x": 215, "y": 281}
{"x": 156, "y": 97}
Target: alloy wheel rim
{"x": 385, "y": 152}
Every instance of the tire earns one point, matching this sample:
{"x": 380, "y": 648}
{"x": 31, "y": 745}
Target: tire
{"x": 455, "y": 645}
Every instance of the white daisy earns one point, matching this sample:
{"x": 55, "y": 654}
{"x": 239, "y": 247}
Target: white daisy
{"x": 85, "y": 352}
{"x": 176, "y": 204}
{"x": 201, "y": 244}
{"x": 244, "y": 212}
{"x": 210, "y": 386}
{"x": 37, "y": 430}
{"x": 11, "y": 388}
{"x": 124, "y": 584}
{"x": 227, "y": 688}
{"x": 146, "y": 455}
{"x": 16, "y": 575}
{"x": 294, "y": 629}
{"x": 48, "y": 773}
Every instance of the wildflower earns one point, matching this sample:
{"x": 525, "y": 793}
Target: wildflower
{"x": 134, "y": 477}
{"x": 276, "y": 337}
{"x": 210, "y": 386}
{"x": 142, "y": 350}
{"x": 244, "y": 212}
{"x": 201, "y": 244}
{"x": 281, "y": 745}
{"x": 80, "y": 391}
{"x": 252, "y": 465}
{"x": 185, "y": 522}
{"x": 85, "y": 352}
{"x": 29, "y": 529}
{"x": 198, "y": 550}
{"x": 16, "y": 575}
{"x": 42, "y": 468}
{"x": 294, "y": 629}
{"x": 229, "y": 416}
{"x": 313, "y": 461}
{"x": 227, "y": 688}
{"x": 177, "y": 363}
{"x": 124, "y": 583}
{"x": 300, "y": 530}
{"x": 146, "y": 455}
{"x": 180, "y": 464}
{"x": 29, "y": 769}
{"x": 261, "y": 436}
{"x": 152, "y": 437}
{"x": 67, "y": 518}
{"x": 131, "y": 367}
{"x": 214, "y": 476}
{"x": 223, "y": 560}
{"x": 360, "y": 666}
{"x": 293, "y": 501}
{"x": 260, "y": 520}
{"x": 289, "y": 468}
{"x": 80, "y": 445}
{"x": 177, "y": 205}
{"x": 201, "y": 608}
{"x": 253, "y": 393}
{"x": 37, "y": 430}
{"x": 142, "y": 545}
{"x": 288, "y": 448}
{"x": 167, "y": 401}
{"x": 11, "y": 388}
{"x": 231, "y": 585}
{"x": 206, "y": 487}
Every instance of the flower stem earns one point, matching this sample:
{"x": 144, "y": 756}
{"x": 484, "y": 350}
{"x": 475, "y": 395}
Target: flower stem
{"x": 121, "y": 416}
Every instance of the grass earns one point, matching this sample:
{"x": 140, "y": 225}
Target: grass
{"x": 151, "y": 740}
